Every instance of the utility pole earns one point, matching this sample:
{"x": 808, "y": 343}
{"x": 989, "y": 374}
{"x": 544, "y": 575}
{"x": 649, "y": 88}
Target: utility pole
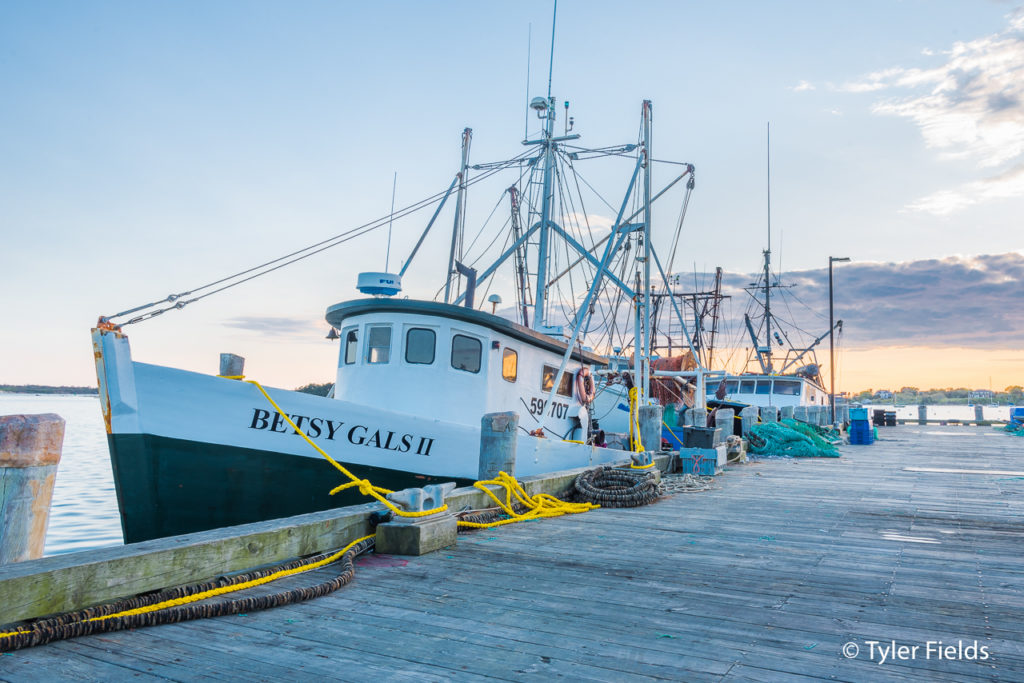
{"x": 832, "y": 336}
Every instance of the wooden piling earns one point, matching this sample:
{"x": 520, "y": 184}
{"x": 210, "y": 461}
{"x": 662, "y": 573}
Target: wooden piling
{"x": 231, "y": 365}
{"x": 650, "y": 427}
{"x": 30, "y": 448}
{"x": 499, "y": 434}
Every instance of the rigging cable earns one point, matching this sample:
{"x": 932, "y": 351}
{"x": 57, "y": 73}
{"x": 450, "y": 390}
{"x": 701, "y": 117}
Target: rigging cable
{"x": 178, "y": 302}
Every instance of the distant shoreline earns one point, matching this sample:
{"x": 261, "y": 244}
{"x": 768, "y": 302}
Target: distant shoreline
{"x": 42, "y": 389}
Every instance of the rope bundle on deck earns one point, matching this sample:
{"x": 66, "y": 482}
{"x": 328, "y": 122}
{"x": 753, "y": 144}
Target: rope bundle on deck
{"x": 616, "y": 488}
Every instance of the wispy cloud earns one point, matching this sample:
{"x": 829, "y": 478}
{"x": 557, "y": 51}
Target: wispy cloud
{"x": 802, "y": 86}
{"x": 970, "y": 107}
{"x": 1002, "y": 186}
{"x": 595, "y": 224}
{"x": 276, "y": 326}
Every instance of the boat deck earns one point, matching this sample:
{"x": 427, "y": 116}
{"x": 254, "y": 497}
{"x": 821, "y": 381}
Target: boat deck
{"x": 764, "y": 578}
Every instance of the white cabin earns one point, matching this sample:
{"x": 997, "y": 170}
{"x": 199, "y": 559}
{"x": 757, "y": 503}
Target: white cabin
{"x": 772, "y": 390}
{"x": 453, "y": 363}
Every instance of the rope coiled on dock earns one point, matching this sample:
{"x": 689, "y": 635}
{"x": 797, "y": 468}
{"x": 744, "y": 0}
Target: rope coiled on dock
{"x": 112, "y": 617}
{"x": 615, "y": 488}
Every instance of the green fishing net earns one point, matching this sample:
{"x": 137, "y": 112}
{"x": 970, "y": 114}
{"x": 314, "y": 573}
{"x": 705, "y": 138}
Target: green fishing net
{"x": 791, "y": 439}
{"x": 1013, "y": 427}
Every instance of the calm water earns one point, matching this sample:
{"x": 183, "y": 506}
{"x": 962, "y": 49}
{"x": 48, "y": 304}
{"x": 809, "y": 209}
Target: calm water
{"x": 84, "y": 513}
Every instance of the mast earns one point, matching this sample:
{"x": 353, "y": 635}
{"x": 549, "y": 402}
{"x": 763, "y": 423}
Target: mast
{"x": 460, "y": 210}
{"x": 717, "y": 299}
{"x": 644, "y": 374}
{"x": 540, "y": 300}
{"x": 520, "y": 261}
{"x": 768, "y": 257}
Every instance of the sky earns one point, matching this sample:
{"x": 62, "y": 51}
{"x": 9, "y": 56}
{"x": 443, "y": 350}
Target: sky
{"x": 149, "y": 148}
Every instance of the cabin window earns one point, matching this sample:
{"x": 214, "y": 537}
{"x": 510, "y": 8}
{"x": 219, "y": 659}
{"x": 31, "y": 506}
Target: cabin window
{"x": 731, "y": 386}
{"x": 466, "y": 353}
{"x": 419, "y": 345}
{"x": 378, "y": 345}
{"x": 747, "y": 386}
{"x": 509, "y": 365}
{"x": 351, "y": 347}
{"x": 764, "y": 386}
{"x": 787, "y": 387}
{"x": 548, "y": 381}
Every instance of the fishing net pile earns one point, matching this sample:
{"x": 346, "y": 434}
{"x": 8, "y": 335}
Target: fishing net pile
{"x": 791, "y": 439}
{"x": 1014, "y": 427}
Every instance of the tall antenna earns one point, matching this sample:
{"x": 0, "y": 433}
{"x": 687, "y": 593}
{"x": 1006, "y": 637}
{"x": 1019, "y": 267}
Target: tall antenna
{"x": 769, "y": 180}
{"x": 529, "y": 53}
{"x": 551, "y": 61}
{"x": 767, "y": 260}
{"x": 391, "y": 218}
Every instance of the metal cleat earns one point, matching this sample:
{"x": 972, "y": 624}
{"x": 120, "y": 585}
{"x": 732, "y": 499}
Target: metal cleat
{"x": 418, "y": 535}
{"x": 419, "y": 500}
{"x": 642, "y": 459}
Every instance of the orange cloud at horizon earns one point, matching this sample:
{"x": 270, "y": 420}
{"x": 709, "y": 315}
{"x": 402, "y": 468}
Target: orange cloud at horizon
{"x": 927, "y": 367}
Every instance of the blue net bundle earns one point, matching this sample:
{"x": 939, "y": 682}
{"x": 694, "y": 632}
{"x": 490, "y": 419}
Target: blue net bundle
{"x": 1014, "y": 427}
{"x": 790, "y": 439}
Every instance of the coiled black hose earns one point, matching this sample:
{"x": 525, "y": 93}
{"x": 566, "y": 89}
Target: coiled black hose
{"x": 75, "y": 624}
{"x": 616, "y": 488}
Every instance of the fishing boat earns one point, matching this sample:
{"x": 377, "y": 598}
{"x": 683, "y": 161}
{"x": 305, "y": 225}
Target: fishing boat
{"x": 193, "y": 451}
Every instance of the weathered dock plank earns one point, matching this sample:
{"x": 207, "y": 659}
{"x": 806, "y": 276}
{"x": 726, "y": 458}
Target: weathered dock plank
{"x": 764, "y": 578}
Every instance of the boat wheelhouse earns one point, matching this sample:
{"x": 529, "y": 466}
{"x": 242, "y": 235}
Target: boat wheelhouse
{"x": 773, "y": 390}
{"x": 397, "y": 353}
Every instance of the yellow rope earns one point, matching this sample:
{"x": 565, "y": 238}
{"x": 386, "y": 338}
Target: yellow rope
{"x": 648, "y": 466}
{"x": 634, "y": 421}
{"x": 366, "y": 487}
{"x": 540, "y": 506}
{"x": 672, "y": 433}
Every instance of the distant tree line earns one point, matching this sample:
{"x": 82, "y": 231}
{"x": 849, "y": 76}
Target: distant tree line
{"x": 948, "y": 396}
{"x": 317, "y": 389}
{"x": 41, "y": 389}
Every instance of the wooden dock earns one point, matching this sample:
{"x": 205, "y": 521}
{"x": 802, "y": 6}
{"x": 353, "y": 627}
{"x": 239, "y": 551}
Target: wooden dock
{"x": 765, "y": 578}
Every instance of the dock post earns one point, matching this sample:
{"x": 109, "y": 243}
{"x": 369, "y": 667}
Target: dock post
{"x": 700, "y": 416}
{"x": 650, "y": 427}
{"x": 922, "y": 415}
{"x": 231, "y": 365}
{"x": 724, "y": 418}
{"x": 30, "y": 448}
{"x": 979, "y": 413}
{"x": 499, "y": 434}
{"x": 748, "y": 416}
{"x": 770, "y": 414}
